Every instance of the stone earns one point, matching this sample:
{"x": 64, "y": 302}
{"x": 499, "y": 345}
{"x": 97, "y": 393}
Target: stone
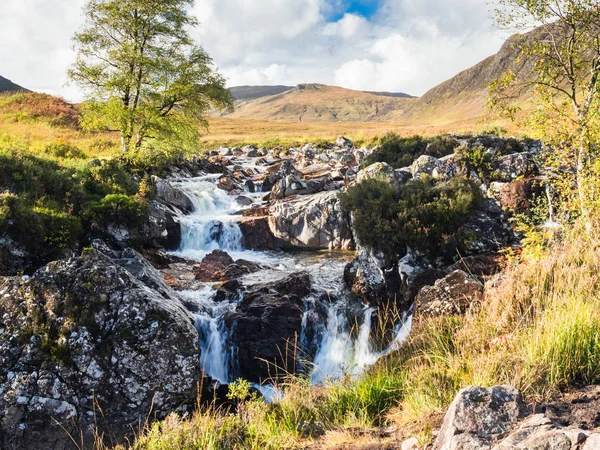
{"x": 379, "y": 171}
{"x": 452, "y": 295}
{"x": 311, "y": 222}
{"x": 478, "y": 417}
{"x": 486, "y": 231}
{"x": 508, "y": 168}
{"x": 268, "y": 320}
{"x": 344, "y": 143}
{"x": 168, "y": 195}
{"x": 425, "y": 164}
{"x": 256, "y": 233}
{"x": 85, "y": 334}
{"x": 517, "y": 196}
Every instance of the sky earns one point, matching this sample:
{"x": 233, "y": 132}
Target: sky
{"x": 377, "y": 45}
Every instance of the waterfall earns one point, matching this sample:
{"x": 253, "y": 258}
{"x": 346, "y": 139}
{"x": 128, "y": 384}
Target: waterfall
{"x": 339, "y": 355}
{"x": 216, "y": 358}
{"x": 211, "y": 226}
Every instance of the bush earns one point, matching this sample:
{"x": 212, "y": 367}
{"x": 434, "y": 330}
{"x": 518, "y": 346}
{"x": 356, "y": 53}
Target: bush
{"x": 44, "y": 233}
{"x": 420, "y": 215}
{"x": 117, "y": 209}
{"x": 64, "y": 150}
{"x": 475, "y": 159}
{"x": 402, "y": 152}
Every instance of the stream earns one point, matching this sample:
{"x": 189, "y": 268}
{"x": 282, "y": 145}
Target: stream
{"x": 340, "y": 349}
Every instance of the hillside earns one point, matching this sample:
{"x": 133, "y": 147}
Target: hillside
{"x": 8, "y": 86}
{"x": 464, "y": 96}
{"x": 316, "y": 103}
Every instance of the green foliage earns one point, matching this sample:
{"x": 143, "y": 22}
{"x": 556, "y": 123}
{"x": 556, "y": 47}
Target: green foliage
{"x": 402, "y": 152}
{"x": 420, "y": 215}
{"x": 42, "y": 232}
{"x": 565, "y": 82}
{"x": 117, "y": 209}
{"x": 64, "y": 150}
{"x": 143, "y": 74}
{"x": 475, "y": 159}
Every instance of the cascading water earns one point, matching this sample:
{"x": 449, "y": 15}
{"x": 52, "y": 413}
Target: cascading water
{"x": 213, "y": 225}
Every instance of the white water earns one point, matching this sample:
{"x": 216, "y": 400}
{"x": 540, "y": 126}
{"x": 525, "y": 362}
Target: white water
{"x": 213, "y": 225}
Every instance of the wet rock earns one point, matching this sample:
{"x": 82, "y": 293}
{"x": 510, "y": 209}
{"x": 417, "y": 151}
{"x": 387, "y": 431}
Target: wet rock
{"x": 478, "y": 417}
{"x": 311, "y": 222}
{"x": 85, "y": 334}
{"x": 243, "y": 201}
{"x": 373, "y": 282}
{"x": 266, "y": 325}
{"x": 219, "y": 266}
{"x": 212, "y": 266}
{"x": 227, "y": 184}
{"x": 168, "y": 195}
{"x": 229, "y": 290}
{"x": 452, "y": 295}
{"x": 257, "y": 234}
{"x": 379, "y": 171}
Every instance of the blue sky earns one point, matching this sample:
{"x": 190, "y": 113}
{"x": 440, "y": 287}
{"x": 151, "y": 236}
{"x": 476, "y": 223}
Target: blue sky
{"x": 364, "y": 8}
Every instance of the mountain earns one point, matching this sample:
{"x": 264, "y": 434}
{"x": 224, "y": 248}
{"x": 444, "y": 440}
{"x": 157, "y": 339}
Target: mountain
{"x": 8, "y": 86}
{"x": 464, "y": 97}
{"x": 316, "y": 103}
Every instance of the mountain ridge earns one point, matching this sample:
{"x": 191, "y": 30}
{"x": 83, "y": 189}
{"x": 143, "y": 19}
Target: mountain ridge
{"x": 8, "y": 86}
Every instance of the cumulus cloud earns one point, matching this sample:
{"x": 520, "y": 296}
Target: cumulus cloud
{"x": 407, "y": 45}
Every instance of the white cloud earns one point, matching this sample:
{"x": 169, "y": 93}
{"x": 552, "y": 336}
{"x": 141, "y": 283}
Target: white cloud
{"x": 408, "y": 46}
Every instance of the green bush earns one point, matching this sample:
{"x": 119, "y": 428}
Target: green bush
{"x": 117, "y": 209}
{"x": 420, "y": 215}
{"x": 64, "y": 150}
{"x": 41, "y": 231}
{"x": 475, "y": 159}
{"x": 402, "y": 152}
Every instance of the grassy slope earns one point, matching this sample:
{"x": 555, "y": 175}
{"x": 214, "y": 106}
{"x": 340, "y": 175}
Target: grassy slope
{"x": 320, "y": 103}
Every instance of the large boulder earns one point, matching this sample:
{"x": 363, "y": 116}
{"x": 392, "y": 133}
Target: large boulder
{"x": 266, "y": 325}
{"x": 486, "y": 230}
{"x": 168, "y": 195}
{"x": 478, "y": 417}
{"x": 451, "y": 295}
{"x": 508, "y": 168}
{"x": 311, "y": 222}
{"x": 379, "y": 171}
{"x": 219, "y": 266}
{"x": 256, "y": 232}
{"x": 344, "y": 142}
{"x": 517, "y": 196}
{"x": 84, "y": 339}
{"x": 426, "y": 165}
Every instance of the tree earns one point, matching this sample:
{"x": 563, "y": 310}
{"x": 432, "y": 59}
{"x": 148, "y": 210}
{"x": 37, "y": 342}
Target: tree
{"x": 143, "y": 74}
{"x": 564, "y": 56}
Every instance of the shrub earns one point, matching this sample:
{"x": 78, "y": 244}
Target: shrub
{"x": 475, "y": 159}
{"x": 420, "y": 215}
{"x": 402, "y": 152}
{"x": 64, "y": 150}
{"x": 117, "y": 209}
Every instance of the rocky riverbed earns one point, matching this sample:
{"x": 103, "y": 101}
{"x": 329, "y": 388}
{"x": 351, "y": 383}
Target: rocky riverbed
{"x": 248, "y": 266}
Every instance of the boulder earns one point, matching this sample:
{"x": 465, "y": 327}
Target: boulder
{"x": 454, "y": 294}
{"x": 379, "y": 171}
{"x": 290, "y": 186}
{"x": 486, "y": 231}
{"x": 509, "y": 167}
{"x": 517, "y": 196}
{"x": 219, "y": 266}
{"x": 266, "y": 325}
{"x": 446, "y": 168}
{"x": 425, "y": 164}
{"x": 478, "y": 417}
{"x": 83, "y": 339}
{"x": 168, "y": 195}
{"x": 311, "y": 222}
{"x": 344, "y": 143}
{"x": 256, "y": 232}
